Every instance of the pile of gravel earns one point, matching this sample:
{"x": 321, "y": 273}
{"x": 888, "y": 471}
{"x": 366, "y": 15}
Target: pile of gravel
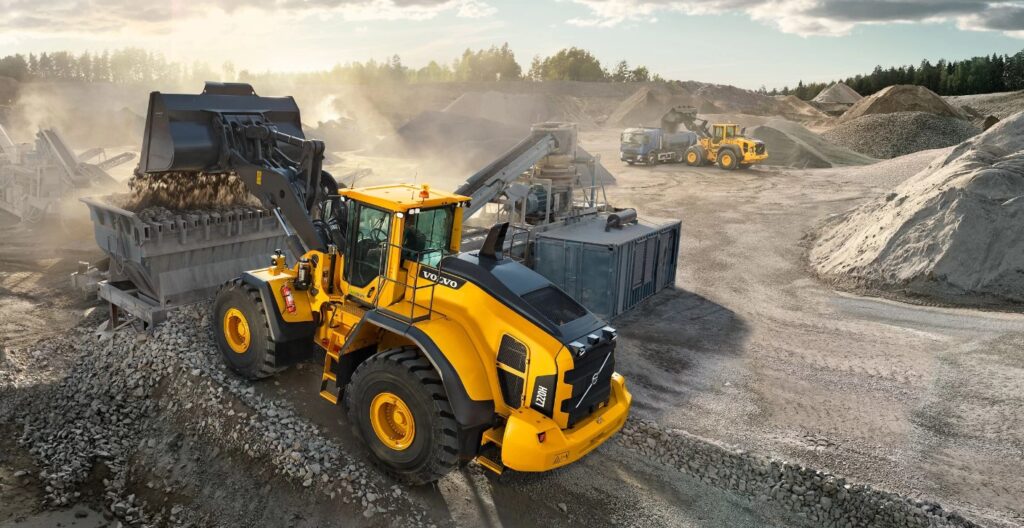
{"x": 896, "y": 134}
{"x": 827, "y": 499}
{"x": 950, "y": 232}
{"x": 131, "y": 399}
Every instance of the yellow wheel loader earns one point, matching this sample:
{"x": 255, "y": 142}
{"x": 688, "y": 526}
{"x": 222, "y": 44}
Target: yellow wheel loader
{"x": 724, "y": 144}
{"x": 440, "y": 357}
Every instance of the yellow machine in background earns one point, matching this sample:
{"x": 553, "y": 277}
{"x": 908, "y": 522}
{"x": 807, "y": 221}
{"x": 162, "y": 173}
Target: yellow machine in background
{"x": 728, "y": 147}
{"x": 724, "y": 144}
{"x": 440, "y": 357}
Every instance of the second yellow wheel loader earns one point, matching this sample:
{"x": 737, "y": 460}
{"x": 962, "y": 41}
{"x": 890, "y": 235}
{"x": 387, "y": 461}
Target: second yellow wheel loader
{"x": 440, "y": 357}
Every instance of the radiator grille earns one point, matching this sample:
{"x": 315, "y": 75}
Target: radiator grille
{"x": 511, "y": 388}
{"x": 590, "y": 379}
{"x": 512, "y": 353}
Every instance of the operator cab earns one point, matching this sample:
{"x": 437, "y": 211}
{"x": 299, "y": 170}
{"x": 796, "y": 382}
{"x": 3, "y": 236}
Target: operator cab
{"x": 722, "y": 132}
{"x": 389, "y": 225}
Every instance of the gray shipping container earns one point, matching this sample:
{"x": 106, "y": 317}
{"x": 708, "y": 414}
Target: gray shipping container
{"x": 610, "y": 272}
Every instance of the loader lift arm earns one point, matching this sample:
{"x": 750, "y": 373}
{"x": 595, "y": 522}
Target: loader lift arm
{"x": 228, "y": 129}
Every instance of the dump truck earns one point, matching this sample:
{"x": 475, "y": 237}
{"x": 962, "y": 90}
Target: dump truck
{"x": 657, "y": 145}
{"x": 440, "y": 357}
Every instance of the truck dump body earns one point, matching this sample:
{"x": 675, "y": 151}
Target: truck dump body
{"x": 175, "y": 259}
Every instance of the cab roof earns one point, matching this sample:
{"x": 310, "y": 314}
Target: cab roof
{"x": 403, "y": 196}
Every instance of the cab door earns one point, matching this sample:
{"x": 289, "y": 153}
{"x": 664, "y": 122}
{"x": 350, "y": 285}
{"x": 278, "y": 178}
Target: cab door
{"x": 369, "y": 250}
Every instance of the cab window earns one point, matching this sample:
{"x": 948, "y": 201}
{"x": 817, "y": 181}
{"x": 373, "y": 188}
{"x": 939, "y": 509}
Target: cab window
{"x": 428, "y": 236}
{"x": 369, "y": 244}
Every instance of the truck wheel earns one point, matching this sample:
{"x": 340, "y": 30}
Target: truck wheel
{"x": 652, "y": 158}
{"x": 397, "y": 403}
{"x": 727, "y": 159}
{"x": 745, "y": 166}
{"x": 677, "y": 157}
{"x": 694, "y": 156}
{"x": 243, "y": 332}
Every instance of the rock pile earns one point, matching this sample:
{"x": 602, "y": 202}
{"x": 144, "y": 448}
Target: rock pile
{"x": 951, "y": 232}
{"x": 521, "y": 109}
{"x": 187, "y": 191}
{"x": 902, "y": 98}
{"x": 792, "y": 145}
{"x": 896, "y": 134}
{"x": 132, "y": 394}
{"x": 463, "y": 140}
{"x": 827, "y": 499}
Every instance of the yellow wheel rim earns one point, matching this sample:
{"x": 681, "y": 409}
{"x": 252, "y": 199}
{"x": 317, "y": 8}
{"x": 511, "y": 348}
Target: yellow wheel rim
{"x": 392, "y": 421}
{"x": 236, "y": 331}
{"x": 691, "y": 157}
{"x": 726, "y": 160}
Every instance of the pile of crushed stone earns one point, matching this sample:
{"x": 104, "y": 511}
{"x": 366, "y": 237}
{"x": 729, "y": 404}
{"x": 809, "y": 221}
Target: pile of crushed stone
{"x": 792, "y": 145}
{"x": 187, "y": 191}
{"x": 838, "y": 93}
{"x": 902, "y": 98}
{"x": 896, "y": 134}
{"x": 459, "y": 139}
{"x": 154, "y": 431}
{"x": 1001, "y": 105}
{"x": 521, "y": 109}
{"x": 951, "y": 232}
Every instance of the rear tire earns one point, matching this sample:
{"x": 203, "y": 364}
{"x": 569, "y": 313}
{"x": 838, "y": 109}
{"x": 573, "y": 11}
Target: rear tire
{"x": 652, "y": 159}
{"x": 677, "y": 157}
{"x": 242, "y": 331}
{"x": 727, "y": 159}
{"x": 694, "y": 156}
{"x": 397, "y": 402}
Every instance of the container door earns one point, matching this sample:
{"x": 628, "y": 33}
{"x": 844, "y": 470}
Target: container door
{"x": 666, "y": 258}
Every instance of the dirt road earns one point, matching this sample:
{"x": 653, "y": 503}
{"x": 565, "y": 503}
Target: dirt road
{"x": 922, "y": 400}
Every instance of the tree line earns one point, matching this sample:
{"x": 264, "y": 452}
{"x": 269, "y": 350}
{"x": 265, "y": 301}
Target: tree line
{"x": 133, "y": 65}
{"x": 977, "y": 75}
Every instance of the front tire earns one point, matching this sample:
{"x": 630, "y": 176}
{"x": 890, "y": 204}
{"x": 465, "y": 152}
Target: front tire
{"x": 694, "y": 156}
{"x": 242, "y": 331}
{"x": 398, "y": 404}
{"x": 727, "y": 159}
{"x": 652, "y": 159}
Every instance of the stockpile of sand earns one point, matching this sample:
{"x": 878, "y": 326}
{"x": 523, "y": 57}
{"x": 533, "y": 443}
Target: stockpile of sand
{"x": 951, "y": 232}
{"x": 792, "y": 145}
{"x": 902, "y": 98}
{"x": 896, "y": 134}
{"x": 838, "y": 93}
{"x": 1001, "y": 105}
{"x": 463, "y": 141}
{"x": 521, "y": 109}
{"x": 646, "y": 106}
{"x": 792, "y": 107}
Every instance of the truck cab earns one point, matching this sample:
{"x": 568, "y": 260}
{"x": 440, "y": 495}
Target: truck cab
{"x": 636, "y": 144}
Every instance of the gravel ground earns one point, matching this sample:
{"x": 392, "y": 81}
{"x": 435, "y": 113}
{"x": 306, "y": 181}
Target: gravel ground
{"x": 900, "y": 133}
{"x": 749, "y": 351}
{"x": 753, "y": 351}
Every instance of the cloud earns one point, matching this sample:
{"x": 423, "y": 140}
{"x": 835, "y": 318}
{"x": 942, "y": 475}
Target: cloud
{"x": 131, "y": 16}
{"x": 819, "y": 17}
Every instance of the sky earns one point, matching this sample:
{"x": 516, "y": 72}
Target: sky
{"x": 747, "y": 43}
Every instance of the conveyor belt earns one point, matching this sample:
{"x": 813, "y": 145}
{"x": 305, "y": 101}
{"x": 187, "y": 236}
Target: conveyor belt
{"x": 489, "y": 182}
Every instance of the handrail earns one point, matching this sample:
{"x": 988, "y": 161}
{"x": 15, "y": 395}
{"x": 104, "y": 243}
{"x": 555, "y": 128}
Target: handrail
{"x": 418, "y": 257}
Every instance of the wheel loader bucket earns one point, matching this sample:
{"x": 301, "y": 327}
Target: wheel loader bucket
{"x": 181, "y": 136}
